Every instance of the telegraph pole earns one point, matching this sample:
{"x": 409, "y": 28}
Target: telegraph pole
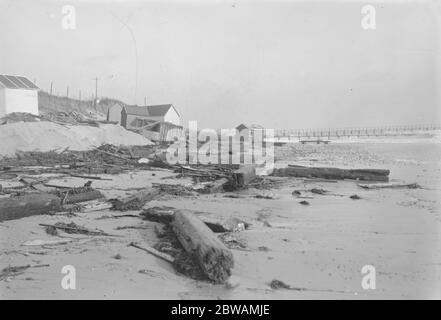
{"x": 51, "y": 87}
{"x": 96, "y": 89}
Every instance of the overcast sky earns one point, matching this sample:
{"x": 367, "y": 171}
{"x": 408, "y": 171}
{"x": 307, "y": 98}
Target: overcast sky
{"x": 281, "y": 64}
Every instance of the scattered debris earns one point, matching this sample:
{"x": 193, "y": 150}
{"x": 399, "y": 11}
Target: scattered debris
{"x": 40, "y": 242}
{"x": 117, "y": 256}
{"x": 76, "y": 229}
{"x": 51, "y": 230}
{"x": 318, "y": 191}
{"x": 277, "y": 284}
{"x": 174, "y": 189}
{"x": 154, "y": 252}
{"x": 233, "y": 196}
{"x": 259, "y": 196}
{"x": 233, "y": 241}
{"x": 13, "y": 271}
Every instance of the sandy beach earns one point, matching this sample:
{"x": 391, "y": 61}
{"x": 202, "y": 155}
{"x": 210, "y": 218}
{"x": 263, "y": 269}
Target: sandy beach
{"x": 318, "y": 249}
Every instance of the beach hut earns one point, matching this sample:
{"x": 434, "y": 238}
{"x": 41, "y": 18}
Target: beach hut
{"x": 17, "y": 94}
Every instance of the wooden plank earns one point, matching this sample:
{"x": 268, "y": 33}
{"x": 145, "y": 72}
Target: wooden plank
{"x": 215, "y": 260}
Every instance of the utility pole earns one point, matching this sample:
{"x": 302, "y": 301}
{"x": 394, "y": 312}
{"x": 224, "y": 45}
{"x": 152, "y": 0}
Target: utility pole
{"x": 51, "y": 87}
{"x": 79, "y": 96}
{"x": 96, "y": 89}
{"x": 145, "y": 101}
{"x": 67, "y": 92}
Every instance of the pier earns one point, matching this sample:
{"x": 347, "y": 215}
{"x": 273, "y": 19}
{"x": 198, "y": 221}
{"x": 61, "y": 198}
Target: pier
{"x": 336, "y": 133}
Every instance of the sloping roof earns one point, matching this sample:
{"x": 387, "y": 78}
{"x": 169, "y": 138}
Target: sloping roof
{"x": 137, "y": 111}
{"x": 16, "y": 82}
{"x": 150, "y": 111}
{"x": 241, "y": 127}
{"x": 159, "y": 110}
{"x": 251, "y": 126}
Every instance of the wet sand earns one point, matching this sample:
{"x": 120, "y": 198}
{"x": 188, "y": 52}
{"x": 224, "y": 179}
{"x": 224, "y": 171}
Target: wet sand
{"x": 318, "y": 248}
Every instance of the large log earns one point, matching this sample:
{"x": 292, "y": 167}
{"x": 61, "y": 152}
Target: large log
{"x": 215, "y": 260}
{"x": 28, "y": 205}
{"x": 333, "y": 173}
{"x": 136, "y": 201}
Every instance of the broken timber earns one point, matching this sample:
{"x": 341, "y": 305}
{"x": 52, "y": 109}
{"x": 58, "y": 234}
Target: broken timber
{"x": 333, "y": 173}
{"x": 241, "y": 177}
{"x": 215, "y": 260}
{"x": 76, "y": 195}
{"x": 136, "y": 201}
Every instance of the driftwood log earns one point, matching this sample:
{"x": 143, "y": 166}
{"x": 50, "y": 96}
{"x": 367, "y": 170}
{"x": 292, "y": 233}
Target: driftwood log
{"x": 333, "y": 173}
{"x": 28, "y": 205}
{"x": 215, "y": 260}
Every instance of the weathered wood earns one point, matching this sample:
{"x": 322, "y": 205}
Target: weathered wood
{"x": 136, "y": 201}
{"x": 213, "y": 187}
{"x": 162, "y": 214}
{"x": 215, "y": 260}
{"x": 333, "y": 173}
{"x": 82, "y": 197}
{"x": 28, "y": 205}
{"x": 241, "y": 177}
